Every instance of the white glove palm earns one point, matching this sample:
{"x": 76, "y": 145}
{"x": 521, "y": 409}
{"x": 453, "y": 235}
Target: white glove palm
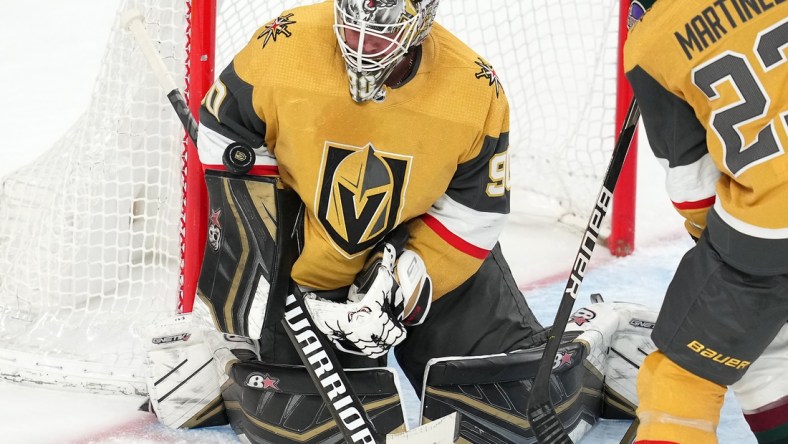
{"x": 370, "y": 322}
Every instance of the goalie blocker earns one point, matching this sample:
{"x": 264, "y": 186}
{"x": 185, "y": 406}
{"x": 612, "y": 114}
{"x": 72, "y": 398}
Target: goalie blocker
{"x": 254, "y": 236}
{"x": 249, "y": 252}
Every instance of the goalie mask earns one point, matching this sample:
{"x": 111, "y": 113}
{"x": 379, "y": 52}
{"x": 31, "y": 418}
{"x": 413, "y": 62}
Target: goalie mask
{"x": 375, "y": 35}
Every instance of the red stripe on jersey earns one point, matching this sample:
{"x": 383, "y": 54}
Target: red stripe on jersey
{"x": 257, "y": 170}
{"x": 264, "y": 170}
{"x": 454, "y": 240}
{"x": 696, "y": 204}
{"x": 768, "y": 419}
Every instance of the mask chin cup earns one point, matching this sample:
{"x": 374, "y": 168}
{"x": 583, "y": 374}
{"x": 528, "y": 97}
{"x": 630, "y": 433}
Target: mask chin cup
{"x": 365, "y": 86}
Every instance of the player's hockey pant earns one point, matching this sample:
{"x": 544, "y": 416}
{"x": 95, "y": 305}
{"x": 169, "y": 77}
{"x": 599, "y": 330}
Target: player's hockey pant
{"x": 715, "y": 322}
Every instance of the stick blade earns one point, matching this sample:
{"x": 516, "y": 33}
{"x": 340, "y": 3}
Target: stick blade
{"x": 631, "y": 433}
{"x": 442, "y": 431}
{"x": 546, "y": 425}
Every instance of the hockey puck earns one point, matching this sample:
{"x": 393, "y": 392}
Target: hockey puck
{"x": 238, "y": 158}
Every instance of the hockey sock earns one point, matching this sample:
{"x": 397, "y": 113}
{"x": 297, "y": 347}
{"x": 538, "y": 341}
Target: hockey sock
{"x": 675, "y": 405}
{"x": 770, "y": 423}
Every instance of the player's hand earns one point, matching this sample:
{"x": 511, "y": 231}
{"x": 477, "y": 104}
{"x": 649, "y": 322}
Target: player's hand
{"x": 387, "y": 295}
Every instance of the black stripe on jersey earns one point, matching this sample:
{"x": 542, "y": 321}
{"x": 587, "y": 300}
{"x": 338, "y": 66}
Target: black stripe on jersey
{"x": 469, "y": 184}
{"x": 673, "y": 130}
{"x": 237, "y": 119}
{"x": 754, "y": 255}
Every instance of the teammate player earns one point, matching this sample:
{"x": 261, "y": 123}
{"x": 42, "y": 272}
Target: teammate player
{"x": 710, "y": 77}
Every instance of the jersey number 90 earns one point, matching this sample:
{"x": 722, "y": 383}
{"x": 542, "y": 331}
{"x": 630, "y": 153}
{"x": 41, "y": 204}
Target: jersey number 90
{"x": 499, "y": 175}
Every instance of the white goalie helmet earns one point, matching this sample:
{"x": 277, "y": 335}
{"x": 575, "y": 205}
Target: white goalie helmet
{"x": 374, "y": 35}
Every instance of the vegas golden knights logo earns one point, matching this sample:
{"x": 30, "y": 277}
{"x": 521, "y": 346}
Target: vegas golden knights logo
{"x": 360, "y": 195}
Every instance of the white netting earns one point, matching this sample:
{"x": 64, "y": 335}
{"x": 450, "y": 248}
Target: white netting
{"x": 90, "y": 243}
{"x": 90, "y": 239}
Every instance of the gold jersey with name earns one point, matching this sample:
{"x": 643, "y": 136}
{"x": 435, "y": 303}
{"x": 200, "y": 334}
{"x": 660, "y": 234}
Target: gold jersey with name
{"x": 431, "y": 152}
{"x": 711, "y": 77}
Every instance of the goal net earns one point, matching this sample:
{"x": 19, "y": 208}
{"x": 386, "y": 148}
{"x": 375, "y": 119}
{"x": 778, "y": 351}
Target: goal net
{"x": 96, "y": 240}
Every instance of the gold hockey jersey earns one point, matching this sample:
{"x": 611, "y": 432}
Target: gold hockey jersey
{"x": 711, "y": 78}
{"x": 432, "y": 153}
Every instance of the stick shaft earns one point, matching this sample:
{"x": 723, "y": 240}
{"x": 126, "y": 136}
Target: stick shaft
{"x": 132, "y": 20}
{"x": 313, "y": 348}
{"x": 540, "y": 410}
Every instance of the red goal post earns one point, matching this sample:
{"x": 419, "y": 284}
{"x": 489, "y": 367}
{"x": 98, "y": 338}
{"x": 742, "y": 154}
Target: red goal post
{"x": 622, "y": 234}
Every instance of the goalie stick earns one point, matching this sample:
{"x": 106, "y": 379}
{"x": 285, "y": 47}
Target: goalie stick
{"x": 321, "y": 362}
{"x": 541, "y": 413}
{"x": 332, "y": 383}
{"x": 347, "y": 411}
{"x": 631, "y": 433}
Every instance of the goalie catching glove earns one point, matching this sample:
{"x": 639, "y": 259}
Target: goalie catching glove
{"x": 389, "y": 294}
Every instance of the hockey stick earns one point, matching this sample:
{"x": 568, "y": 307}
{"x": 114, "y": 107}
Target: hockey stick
{"x": 322, "y": 364}
{"x": 331, "y": 381}
{"x": 631, "y": 433}
{"x": 132, "y": 21}
{"x": 326, "y": 372}
{"x": 316, "y": 353}
{"x": 541, "y": 413}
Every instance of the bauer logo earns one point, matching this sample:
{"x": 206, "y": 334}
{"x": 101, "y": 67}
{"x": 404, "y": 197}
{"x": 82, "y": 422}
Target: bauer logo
{"x": 170, "y": 339}
{"x": 641, "y": 323}
{"x": 717, "y": 357}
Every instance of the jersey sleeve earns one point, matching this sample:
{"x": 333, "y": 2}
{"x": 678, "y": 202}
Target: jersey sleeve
{"x": 678, "y": 139}
{"x": 463, "y": 225}
{"x": 227, "y": 115}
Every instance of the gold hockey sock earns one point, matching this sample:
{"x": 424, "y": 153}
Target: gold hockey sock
{"x": 675, "y": 405}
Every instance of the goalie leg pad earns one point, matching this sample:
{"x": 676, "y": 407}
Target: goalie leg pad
{"x": 185, "y": 366}
{"x": 270, "y": 403}
{"x": 618, "y": 336}
{"x": 491, "y": 392}
{"x": 197, "y": 403}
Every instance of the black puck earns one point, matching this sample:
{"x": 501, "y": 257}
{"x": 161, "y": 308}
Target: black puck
{"x": 238, "y": 158}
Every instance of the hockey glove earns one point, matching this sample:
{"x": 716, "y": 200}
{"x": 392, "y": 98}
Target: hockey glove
{"x": 388, "y": 295}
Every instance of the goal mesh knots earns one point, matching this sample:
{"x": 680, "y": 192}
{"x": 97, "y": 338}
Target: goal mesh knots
{"x": 93, "y": 238}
